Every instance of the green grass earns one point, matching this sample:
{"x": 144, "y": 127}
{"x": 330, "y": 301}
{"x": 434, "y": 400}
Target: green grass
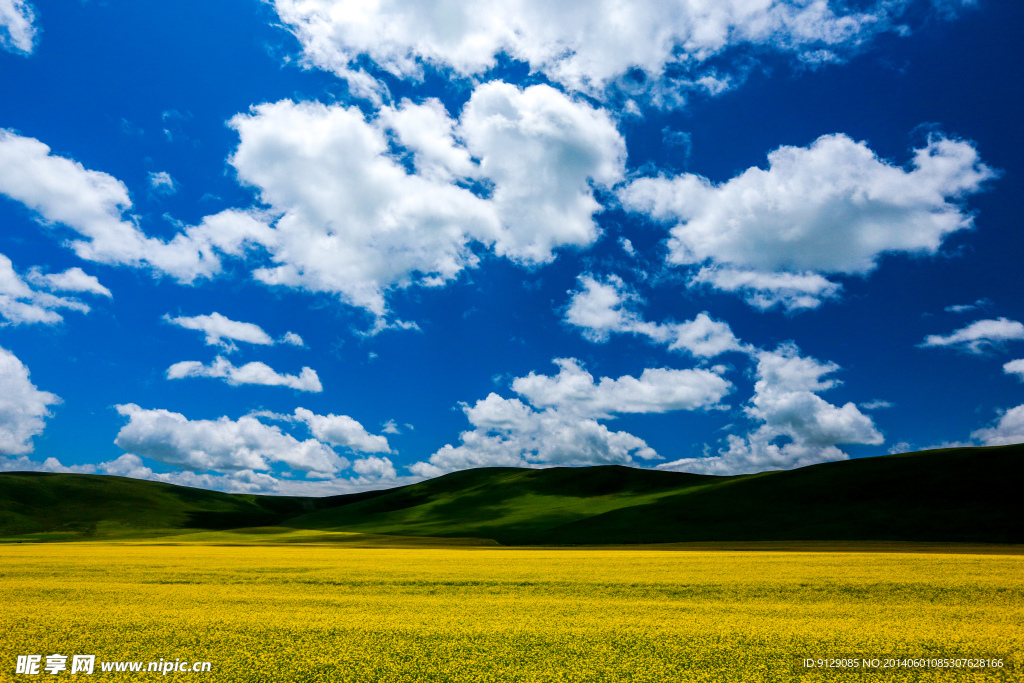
{"x": 45, "y": 506}
{"x": 965, "y": 495}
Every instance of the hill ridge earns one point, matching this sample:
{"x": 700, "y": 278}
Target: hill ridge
{"x": 966, "y": 495}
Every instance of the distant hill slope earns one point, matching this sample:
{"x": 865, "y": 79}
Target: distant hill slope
{"x": 83, "y": 506}
{"x": 960, "y": 494}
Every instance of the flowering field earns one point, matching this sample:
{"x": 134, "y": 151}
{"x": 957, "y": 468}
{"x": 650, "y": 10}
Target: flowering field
{"x": 333, "y": 613}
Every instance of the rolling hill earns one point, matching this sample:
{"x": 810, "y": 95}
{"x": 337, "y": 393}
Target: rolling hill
{"x": 959, "y": 495}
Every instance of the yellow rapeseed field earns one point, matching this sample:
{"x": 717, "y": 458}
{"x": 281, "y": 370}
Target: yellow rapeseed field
{"x": 338, "y": 613}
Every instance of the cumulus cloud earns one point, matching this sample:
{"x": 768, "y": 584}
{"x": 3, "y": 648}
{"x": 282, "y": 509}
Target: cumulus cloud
{"x": 95, "y": 206}
{"x": 342, "y": 431}
{"x": 543, "y": 152}
{"x": 250, "y": 373}
{"x": 370, "y": 473}
{"x": 979, "y": 336}
{"x": 219, "y": 328}
{"x": 23, "y": 407}
{"x": 222, "y": 445}
{"x": 507, "y": 432}
{"x": 560, "y": 424}
{"x": 17, "y": 32}
{"x": 240, "y": 481}
{"x": 292, "y": 339}
{"x": 792, "y": 291}
{"x": 1015, "y": 367}
{"x": 23, "y": 463}
{"x": 353, "y": 221}
{"x": 236, "y": 455}
{"x": 834, "y": 207}
{"x": 657, "y": 390}
{"x": 797, "y": 428}
{"x": 1008, "y": 429}
{"x": 161, "y": 182}
{"x": 21, "y": 304}
{"x": 584, "y": 46}
{"x": 602, "y": 308}
{"x": 516, "y": 173}
{"x": 375, "y": 468}
{"x": 71, "y": 280}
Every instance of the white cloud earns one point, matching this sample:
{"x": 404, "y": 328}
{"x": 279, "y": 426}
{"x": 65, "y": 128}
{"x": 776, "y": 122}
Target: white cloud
{"x": 543, "y": 152}
{"x": 561, "y": 427}
{"x": 240, "y": 481}
{"x": 127, "y": 465}
{"x": 792, "y": 291}
{"x": 17, "y": 33}
{"x": 218, "y": 328}
{"x": 250, "y": 373}
{"x": 429, "y": 133}
{"x": 1015, "y": 367}
{"x": 602, "y": 308}
{"x": 658, "y": 390}
{"x": 877, "y": 404}
{"x": 584, "y": 45}
{"x": 222, "y": 445}
{"x": 832, "y": 208}
{"x": 785, "y": 400}
{"x": 797, "y": 428}
{"x": 509, "y": 433}
{"x": 375, "y": 468}
{"x": 337, "y": 430}
{"x": 71, "y": 280}
{"x": 979, "y": 335}
{"x": 291, "y": 339}
{"x": 94, "y": 205}
{"x": 967, "y": 308}
{"x": 1007, "y": 430}
{"x": 23, "y": 407}
{"x": 342, "y": 431}
{"x": 161, "y": 182}
{"x": 21, "y": 304}
{"x": 371, "y": 473}
{"x": 23, "y": 463}
{"x": 351, "y": 220}
{"x": 231, "y": 232}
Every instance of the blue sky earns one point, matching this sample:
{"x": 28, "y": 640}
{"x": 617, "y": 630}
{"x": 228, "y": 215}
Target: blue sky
{"x": 322, "y": 246}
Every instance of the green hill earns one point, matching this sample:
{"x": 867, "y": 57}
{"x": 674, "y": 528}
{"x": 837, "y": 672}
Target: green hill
{"x": 44, "y": 506}
{"x": 960, "y": 494}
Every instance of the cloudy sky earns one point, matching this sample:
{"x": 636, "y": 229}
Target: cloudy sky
{"x": 316, "y": 246}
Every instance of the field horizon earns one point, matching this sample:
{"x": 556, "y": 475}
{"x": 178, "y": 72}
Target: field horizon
{"x": 957, "y": 495}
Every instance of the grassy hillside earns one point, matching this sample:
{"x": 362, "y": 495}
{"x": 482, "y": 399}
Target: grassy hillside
{"x": 510, "y": 505}
{"x": 964, "y": 494}
{"x": 44, "y": 506}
